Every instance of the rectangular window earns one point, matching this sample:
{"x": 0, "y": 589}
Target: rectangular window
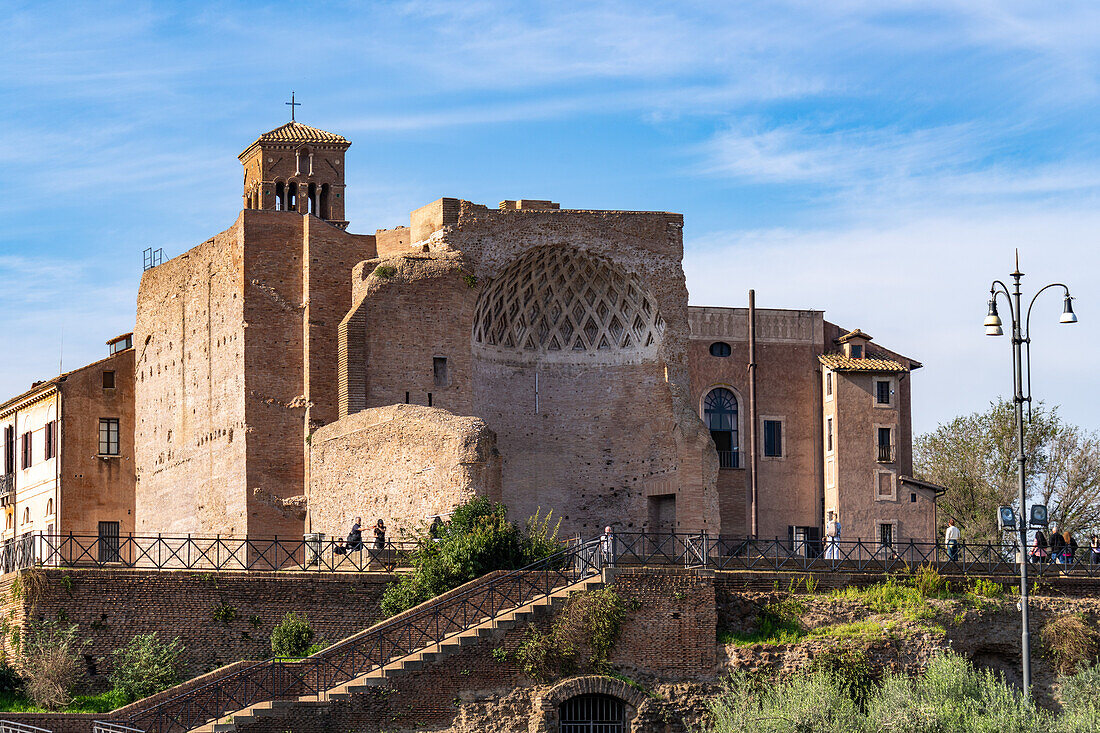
{"x": 829, "y": 384}
{"x": 885, "y": 488}
{"x": 885, "y": 445}
{"x": 773, "y": 438}
{"x": 27, "y": 443}
{"x": 886, "y": 535}
{"x": 9, "y": 449}
{"x": 108, "y": 436}
{"x": 51, "y": 437}
{"x": 857, "y": 351}
{"x": 882, "y": 392}
{"x": 439, "y": 371}
{"x": 108, "y": 542}
{"x": 829, "y": 434}
{"x": 108, "y": 380}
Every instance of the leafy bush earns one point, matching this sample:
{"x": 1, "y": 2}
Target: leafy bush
{"x": 1080, "y": 703}
{"x": 10, "y": 681}
{"x": 385, "y": 271}
{"x": 808, "y": 703}
{"x": 850, "y": 670}
{"x": 478, "y": 539}
{"x": 146, "y": 666}
{"x": 590, "y": 621}
{"x": 987, "y": 588}
{"x": 50, "y": 656}
{"x": 292, "y": 636}
{"x": 928, "y": 582}
{"x": 777, "y": 623}
{"x": 224, "y": 612}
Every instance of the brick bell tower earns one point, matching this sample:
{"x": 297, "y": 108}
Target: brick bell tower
{"x": 299, "y": 168}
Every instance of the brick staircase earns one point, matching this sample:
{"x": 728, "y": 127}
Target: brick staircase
{"x": 429, "y": 654}
{"x": 427, "y": 633}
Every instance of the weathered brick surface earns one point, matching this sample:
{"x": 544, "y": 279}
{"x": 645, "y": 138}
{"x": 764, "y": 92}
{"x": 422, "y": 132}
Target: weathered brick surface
{"x": 402, "y": 463}
{"x": 111, "y": 606}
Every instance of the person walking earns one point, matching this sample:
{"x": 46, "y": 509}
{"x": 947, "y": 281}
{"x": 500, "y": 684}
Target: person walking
{"x": 1095, "y": 550}
{"x": 1057, "y": 544}
{"x": 607, "y": 545}
{"x": 380, "y": 535}
{"x": 832, "y": 536}
{"x": 952, "y": 537}
{"x": 1039, "y": 551}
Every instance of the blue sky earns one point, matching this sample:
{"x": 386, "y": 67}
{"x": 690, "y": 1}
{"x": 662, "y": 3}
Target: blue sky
{"x": 878, "y": 161}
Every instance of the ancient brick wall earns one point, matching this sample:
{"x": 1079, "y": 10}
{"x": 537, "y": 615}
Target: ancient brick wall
{"x": 402, "y": 464}
{"x": 109, "y": 607}
{"x": 189, "y": 391}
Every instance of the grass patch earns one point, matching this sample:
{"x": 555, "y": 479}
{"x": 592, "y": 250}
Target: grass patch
{"x": 778, "y": 623}
{"x": 856, "y": 630}
{"x": 104, "y": 702}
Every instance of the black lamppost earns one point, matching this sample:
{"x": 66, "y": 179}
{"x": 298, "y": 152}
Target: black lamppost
{"x": 1021, "y": 349}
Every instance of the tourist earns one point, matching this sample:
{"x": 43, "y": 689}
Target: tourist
{"x": 607, "y": 544}
{"x": 435, "y": 529}
{"x": 354, "y": 542}
{"x": 952, "y": 537}
{"x": 1069, "y": 548}
{"x": 1039, "y": 551}
{"x": 832, "y": 534}
{"x": 380, "y": 535}
{"x": 1057, "y": 544}
{"x": 1095, "y": 550}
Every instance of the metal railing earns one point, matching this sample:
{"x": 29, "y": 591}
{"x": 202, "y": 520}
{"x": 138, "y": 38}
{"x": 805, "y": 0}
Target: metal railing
{"x": 826, "y": 555}
{"x": 388, "y": 642}
{"x": 728, "y": 459}
{"x": 885, "y": 453}
{"x": 7, "y": 483}
{"x": 10, "y": 726}
{"x": 161, "y": 552}
{"x": 104, "y": 726}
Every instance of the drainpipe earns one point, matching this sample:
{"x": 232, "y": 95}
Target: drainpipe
{"x": 752, "y": 411}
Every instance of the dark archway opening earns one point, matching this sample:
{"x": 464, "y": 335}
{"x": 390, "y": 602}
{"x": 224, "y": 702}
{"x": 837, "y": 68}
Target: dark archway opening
{"x": 592, "y": 714}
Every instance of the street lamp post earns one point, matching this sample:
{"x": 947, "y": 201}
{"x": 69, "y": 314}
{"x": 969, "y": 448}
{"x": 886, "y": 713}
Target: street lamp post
{"x": 1021, "y": 349}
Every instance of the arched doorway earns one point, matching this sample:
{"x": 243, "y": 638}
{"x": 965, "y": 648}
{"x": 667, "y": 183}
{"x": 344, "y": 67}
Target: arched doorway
{"x": 592, "y": 714}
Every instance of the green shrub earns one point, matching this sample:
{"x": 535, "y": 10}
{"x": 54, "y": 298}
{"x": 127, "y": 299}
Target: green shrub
{"x": 146, "y": 666}
{"x": 10, "y": 681}
{"x": 224, "y": 612}
{"x": 806, "y": 703}
{"x": 850, "y": 670}
{"x": 292, "y": 636}
{"x": 1070, "y": 640}
{"x": 987, "y": 588}
{"x": 1080, "y": 703}
{"x": 928, "y": 582}
{"x": 777, "y": 623}
{"x": 478, "y": 539}
{"x": 385, "y": 271}
{"x": 50, "y": 656}
{"x": 591, "y": 621}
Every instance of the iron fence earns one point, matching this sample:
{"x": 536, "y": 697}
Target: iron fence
{"x": 388, "y": 642}
{"x": 160, "y": 552}
{"x": 827, "y": 555}
{"x": 10, "y": 726}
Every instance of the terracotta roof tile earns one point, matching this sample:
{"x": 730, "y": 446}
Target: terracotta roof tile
{"x": 296, "y": 132}
{"x": 842, "y": 363}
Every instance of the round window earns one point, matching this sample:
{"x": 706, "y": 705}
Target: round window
{"x": 720, "y": 348}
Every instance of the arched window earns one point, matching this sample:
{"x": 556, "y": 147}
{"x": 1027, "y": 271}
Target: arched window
{"x": 280, "y": 196}
{"x": 720, "y": 413}
{"x": 313, "y": 199}
{"x": 49, "y": 507}
{"x": 720, "y": 348}
{"x": 592, "y": 714}
{"x": 326, "y": 213}
{"x": 27, "y": 515}
{"x": 292, "y": 196}
{"x": 11, "y": 520}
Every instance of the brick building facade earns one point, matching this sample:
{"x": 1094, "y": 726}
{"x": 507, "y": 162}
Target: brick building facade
{"x": 268, "y": 356}
{"x": 68, "y": 455}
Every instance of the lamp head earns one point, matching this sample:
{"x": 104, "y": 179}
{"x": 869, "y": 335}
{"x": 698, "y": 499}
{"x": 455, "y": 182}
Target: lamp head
{"x": 1068, "y": 316}
{"x": 992, "y": 319}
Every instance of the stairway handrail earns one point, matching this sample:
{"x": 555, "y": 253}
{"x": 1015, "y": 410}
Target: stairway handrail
{"x": 564, "y": 560}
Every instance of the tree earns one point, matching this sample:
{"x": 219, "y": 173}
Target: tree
{"x": 146, "y": 666}
{"x": 975, "y": 457}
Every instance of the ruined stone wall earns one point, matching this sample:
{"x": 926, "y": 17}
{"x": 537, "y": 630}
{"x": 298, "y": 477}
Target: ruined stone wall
{"x": 787, "y": 378}
{"x": 189, "y": 342}
{"x": 402, "y": 464}
{"x": 97, "y": 488}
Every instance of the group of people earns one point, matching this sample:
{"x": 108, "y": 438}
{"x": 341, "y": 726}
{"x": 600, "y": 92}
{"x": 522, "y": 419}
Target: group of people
{"x": 354, "y": 542}
{"x": 1062, "y": 548}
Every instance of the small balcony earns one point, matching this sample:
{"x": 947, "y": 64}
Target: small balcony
{"x": 728, "y": 459}
{"x": 7, "y": 488}
{"x": 885, "y": 453}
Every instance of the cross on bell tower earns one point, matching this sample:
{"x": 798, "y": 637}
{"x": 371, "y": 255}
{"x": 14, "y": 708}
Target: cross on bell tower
{"x": 292, "y": 104}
